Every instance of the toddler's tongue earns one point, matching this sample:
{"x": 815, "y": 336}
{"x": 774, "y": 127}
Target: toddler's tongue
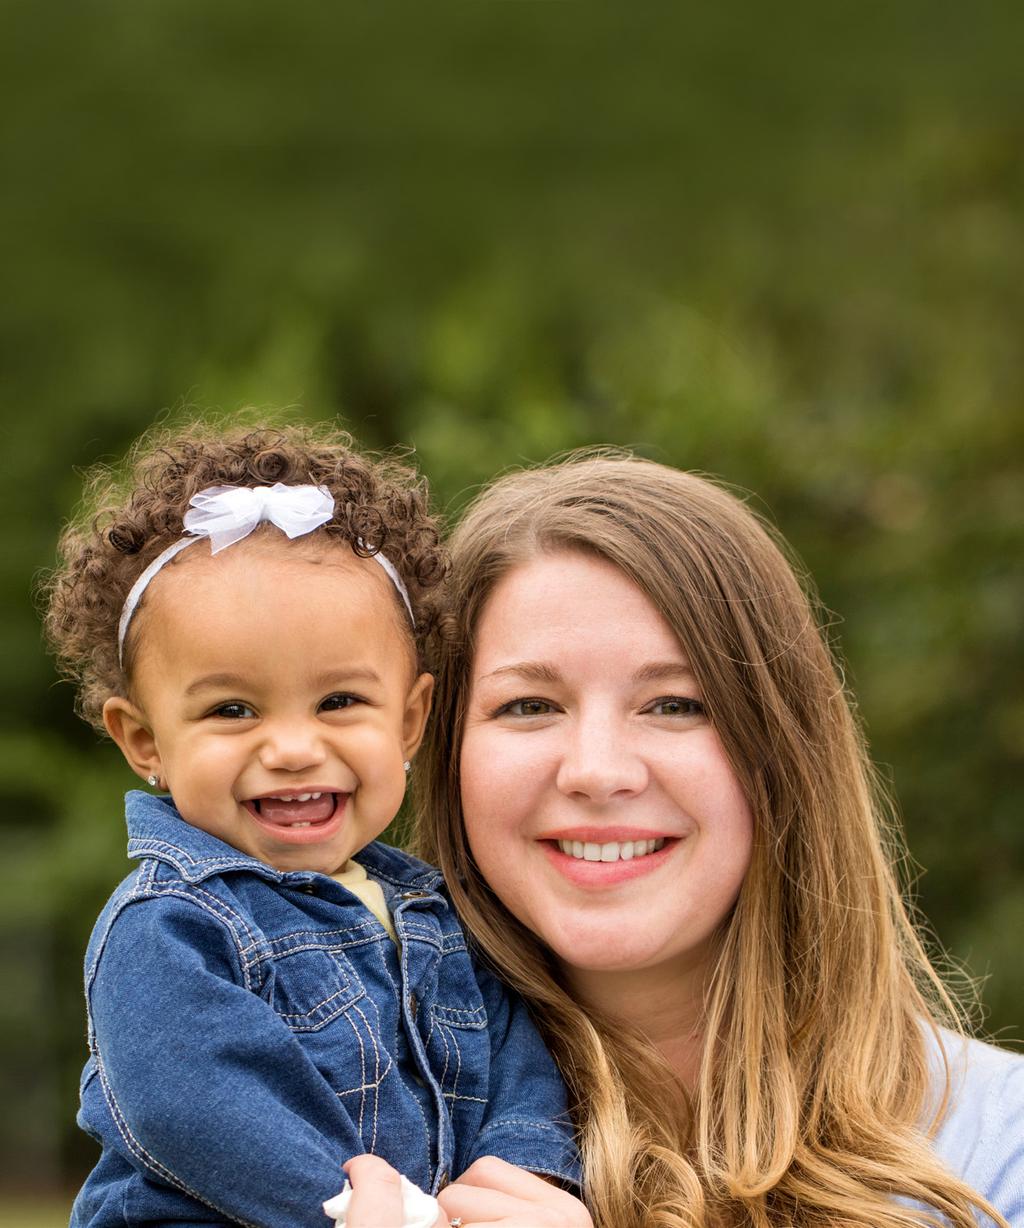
{"x": 316, "y": 810}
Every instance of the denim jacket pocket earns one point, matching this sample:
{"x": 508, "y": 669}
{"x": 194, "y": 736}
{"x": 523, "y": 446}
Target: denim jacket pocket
{"x": 458, "y": 1046}
{"x": 313, "y": 986}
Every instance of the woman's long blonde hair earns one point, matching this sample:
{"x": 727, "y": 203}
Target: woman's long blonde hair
{"x": 815, "y": 1072}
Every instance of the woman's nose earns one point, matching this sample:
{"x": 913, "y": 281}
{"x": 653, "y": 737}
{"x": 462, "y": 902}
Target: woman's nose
{"x": 292, "y": 746}
{"x": 599, "y": 764}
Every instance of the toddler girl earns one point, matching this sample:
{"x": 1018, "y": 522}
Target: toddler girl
{"x": 271, "y": 991}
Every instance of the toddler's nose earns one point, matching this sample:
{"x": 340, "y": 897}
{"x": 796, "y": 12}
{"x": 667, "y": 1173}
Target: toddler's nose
{"x": 292, "y": 748}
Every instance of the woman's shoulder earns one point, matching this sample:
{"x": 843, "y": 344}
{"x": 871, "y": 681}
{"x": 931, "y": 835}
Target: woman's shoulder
{"x": 981, "y": 1131}
{"x": 979, "y": 1072}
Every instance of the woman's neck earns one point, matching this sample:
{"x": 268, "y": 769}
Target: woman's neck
{"x": 665, "y": 1004}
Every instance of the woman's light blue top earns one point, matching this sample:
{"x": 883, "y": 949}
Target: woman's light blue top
{"x": 981, "y": 1138}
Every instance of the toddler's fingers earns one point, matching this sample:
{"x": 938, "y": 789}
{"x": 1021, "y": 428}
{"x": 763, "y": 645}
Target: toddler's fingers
{"x": 376, "y": 1193}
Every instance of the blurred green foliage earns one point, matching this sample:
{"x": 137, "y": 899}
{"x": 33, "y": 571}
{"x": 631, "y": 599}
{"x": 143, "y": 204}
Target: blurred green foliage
{"x": 781, "y": 246}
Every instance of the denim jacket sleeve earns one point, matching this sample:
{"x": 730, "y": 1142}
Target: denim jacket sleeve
{"x": 207, "y": 1088}
{"x": 527, "y": 1118}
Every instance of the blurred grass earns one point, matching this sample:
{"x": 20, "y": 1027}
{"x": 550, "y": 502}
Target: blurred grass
{"x": 25, "y": 1214}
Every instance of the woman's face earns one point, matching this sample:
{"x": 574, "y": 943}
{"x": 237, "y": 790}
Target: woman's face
{"x": 598, "y": 801}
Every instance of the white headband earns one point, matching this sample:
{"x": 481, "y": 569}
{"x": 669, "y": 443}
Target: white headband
{"x": 226, "y": 514}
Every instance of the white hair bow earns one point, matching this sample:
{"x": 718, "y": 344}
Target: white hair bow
{"x": 226, "y": 514}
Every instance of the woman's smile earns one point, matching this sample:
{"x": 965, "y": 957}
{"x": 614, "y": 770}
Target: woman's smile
{"x": 603, "y": 864}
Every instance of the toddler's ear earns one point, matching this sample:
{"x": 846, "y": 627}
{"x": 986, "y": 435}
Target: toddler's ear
{"x": 417, "y": 709}
{"x": 127, "y": 725}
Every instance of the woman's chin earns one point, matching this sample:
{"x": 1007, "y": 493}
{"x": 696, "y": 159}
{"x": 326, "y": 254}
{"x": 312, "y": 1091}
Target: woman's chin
{"x": 605, "y": 953}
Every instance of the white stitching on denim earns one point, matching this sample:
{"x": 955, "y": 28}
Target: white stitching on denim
{"x": 371, "y": 1032}
{"x": 475, "y": 1099}
{"x": 329, "y": 939}
{"x": 338, "y": 993}
{"x": 362, "y": 1066}
{"x": 458, "y": 1055}
{"x": 202, "y": 900}
{"x": 443, "y": 1033}
{"x": 140, "y": 1152}
{"x": 329, "y": 947}
{"x": 190, "y": 896}
{"x": 140, "y": 845}
{"x": 130, "y": 896}
{"x": 476, "y": 1012}
{"x": 363, "y": 1087}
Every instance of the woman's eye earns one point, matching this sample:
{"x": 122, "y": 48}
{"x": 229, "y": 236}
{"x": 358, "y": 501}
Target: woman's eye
{"x": 675, "y": 705}
{"x": 234, "y": 711}
{"x": 337, "y": 703}
{"x": 526, "y": 707}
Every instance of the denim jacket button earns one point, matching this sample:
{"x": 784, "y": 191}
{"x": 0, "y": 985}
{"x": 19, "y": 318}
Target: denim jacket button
{"x": 415, "y": 895}
{"x": 413, "y": 1005}
{"x": 442, "y": 1181}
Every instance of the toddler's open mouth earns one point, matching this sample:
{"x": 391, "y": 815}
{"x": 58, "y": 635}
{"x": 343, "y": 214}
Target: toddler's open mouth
{"x": 295, "y": 810}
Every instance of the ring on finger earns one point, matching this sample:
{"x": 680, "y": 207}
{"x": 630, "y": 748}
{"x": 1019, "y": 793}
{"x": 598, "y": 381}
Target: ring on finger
{"x": 456, "y": 1222}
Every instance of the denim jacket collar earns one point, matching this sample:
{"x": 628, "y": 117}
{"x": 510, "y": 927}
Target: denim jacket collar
{"x": 155, "y": 829}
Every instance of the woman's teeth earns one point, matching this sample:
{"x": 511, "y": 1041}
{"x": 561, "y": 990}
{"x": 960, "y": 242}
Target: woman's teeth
{"x": 613, "y": 851}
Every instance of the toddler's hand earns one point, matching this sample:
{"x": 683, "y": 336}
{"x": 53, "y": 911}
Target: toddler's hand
{"x": 491, "y": 1191}
{"x": 380, "y": 1198}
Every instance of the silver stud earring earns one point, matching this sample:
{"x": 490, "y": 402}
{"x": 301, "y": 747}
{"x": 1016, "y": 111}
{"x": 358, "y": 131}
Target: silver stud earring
{"x": 153, "y": 781}
{"x": 407, "y": 765}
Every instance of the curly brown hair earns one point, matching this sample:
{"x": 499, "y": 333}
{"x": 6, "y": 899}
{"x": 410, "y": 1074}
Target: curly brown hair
{"x": 130, "y": 514}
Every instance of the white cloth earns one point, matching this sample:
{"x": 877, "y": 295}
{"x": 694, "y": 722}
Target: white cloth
{"x": 419, "y": 1210}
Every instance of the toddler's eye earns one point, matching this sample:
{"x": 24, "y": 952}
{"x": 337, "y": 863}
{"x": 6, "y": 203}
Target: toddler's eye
{"x": 675, "y": 705}
{"x": 338, "y": 702}
{"x": 526, "y": 707}
{"x": 234, "y": 711}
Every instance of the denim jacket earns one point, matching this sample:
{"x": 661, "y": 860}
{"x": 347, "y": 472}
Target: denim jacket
{"x": 249, "y": 1030}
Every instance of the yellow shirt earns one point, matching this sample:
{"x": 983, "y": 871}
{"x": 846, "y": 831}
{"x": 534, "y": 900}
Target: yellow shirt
{"x": 354, "y": 877}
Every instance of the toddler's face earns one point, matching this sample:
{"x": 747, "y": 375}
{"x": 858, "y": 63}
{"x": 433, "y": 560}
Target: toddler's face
{"x": 275, "y": 694}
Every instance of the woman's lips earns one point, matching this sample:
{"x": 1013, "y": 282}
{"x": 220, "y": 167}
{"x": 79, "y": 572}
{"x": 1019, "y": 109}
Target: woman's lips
{"x": 604, "y": 862}
{"x": 299, "y": 818}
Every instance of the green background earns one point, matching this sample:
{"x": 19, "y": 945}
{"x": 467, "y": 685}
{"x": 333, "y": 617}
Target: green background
{"x": 781, "y": 246}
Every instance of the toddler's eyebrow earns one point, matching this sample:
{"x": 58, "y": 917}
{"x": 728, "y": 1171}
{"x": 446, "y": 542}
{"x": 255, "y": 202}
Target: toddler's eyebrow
{"x": 211, "y": 681}
{"x": 338, "y": 677}
{"x": 325, "y": 678}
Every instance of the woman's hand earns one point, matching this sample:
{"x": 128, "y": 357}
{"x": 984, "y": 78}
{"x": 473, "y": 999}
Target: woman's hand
{"x": 491, "y": 1191}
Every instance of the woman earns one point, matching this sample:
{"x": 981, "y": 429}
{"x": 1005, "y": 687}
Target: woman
{"x": 655, "y": 812}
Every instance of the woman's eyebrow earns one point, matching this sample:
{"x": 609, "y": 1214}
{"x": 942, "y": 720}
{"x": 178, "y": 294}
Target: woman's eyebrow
{"x": 535, "y": 671}
{"x": 660, "y": 671}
